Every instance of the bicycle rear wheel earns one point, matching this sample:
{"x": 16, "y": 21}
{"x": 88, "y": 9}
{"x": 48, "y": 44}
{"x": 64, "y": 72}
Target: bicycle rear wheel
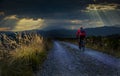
{"x": 82, "y": 45}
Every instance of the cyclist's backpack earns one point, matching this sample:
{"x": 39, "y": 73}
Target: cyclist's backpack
{"x": 82, "y": 33}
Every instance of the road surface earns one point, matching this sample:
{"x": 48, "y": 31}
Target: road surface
{"x": 66, "y": 59}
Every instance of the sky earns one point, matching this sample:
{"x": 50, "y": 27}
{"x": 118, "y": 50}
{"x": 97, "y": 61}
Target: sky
{"x": 20, "y": 15}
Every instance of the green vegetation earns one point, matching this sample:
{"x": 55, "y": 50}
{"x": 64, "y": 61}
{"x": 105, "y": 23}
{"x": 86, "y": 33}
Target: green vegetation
{"x": 109, "y": 45}
{"x": 22, "y": 55}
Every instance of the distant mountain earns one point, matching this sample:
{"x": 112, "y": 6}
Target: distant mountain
{"x": 103, "y": 31}
{"x": 117, "y": 25}
{"x": 8, "y": 33}
{"x": 58, "y": 33}
{"x": 66, "y": 33}
{"x": 99, "y": 31}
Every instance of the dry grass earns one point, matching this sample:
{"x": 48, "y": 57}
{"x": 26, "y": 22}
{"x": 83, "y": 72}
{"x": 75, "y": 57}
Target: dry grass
{"x": 22, "y": 55}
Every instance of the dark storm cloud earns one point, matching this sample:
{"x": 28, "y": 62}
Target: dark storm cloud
{"x": 15, "y": 14}
{"x": 48, "y": 5}
{"x": 46, "y": 8}
{"x": 41, "y": 6}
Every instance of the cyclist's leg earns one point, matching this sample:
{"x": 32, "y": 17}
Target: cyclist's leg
{"x": 83, "y": 46}
{"x": 84, "y": 43}
{"x": 79, "y": 43}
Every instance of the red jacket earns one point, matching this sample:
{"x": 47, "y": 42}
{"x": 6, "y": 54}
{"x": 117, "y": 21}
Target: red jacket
{"x": 80, "y": 33}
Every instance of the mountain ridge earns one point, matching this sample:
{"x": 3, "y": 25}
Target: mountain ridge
{"x": 99, "y": 31}
{"x": 67, "y": 33}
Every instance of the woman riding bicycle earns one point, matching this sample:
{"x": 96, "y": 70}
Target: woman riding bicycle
{"x": 81, "y": 34}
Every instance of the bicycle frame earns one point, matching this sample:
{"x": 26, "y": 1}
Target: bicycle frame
{"x": 81, "y": 44}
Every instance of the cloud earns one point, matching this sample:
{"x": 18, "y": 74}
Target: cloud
{"x": 87, "y": 23}
{"x": 28, "y": 24}
{"x": 48, "y": 8}
{"x": 22, "y": 15}
{"x": 41, "y": 6}
{"x": 95, "y": 23}
{"x": 20, "y": 24}
{"x": 78, "y": 21}
{"x": 5, "y": 29}
{"x": 2, "y": 13}
{"x": 64, "y": 23}
{"x": 14, "y": 17}
{"x": 102, "y": 7}
{"x": 9, "y": 21}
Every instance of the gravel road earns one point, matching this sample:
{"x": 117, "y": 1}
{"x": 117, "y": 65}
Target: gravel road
{"x": 65, "y": 59}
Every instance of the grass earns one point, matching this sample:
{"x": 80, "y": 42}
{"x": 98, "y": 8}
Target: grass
{"x": 22, "y": 55}
{"x": 104, "y": 50}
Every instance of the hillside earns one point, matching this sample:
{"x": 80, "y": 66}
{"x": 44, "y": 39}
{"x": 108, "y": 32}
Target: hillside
{"x": 100, "y": 31}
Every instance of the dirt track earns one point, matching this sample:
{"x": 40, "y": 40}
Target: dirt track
{"x": 66, "y": 59}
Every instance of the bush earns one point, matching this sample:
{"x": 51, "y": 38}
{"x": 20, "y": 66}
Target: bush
{"x": 23, "y": 55}
{"x": 105, "y": 44}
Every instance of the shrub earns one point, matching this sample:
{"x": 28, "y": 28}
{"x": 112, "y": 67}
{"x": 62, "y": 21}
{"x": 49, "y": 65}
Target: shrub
{"x": 22, "y": 55}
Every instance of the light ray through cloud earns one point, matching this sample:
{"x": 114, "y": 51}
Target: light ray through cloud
{"x": 113, "y": 17}
{"x": 104, "y": 14}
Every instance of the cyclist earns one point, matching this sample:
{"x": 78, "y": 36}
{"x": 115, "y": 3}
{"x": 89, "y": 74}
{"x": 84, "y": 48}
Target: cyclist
{"x": 81, "y": 34}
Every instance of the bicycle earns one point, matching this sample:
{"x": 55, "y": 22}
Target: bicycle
{"x": 81, "y": 44}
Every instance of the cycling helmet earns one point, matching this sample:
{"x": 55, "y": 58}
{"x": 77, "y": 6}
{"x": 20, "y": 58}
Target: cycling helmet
{"x": 81, "y": 27}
